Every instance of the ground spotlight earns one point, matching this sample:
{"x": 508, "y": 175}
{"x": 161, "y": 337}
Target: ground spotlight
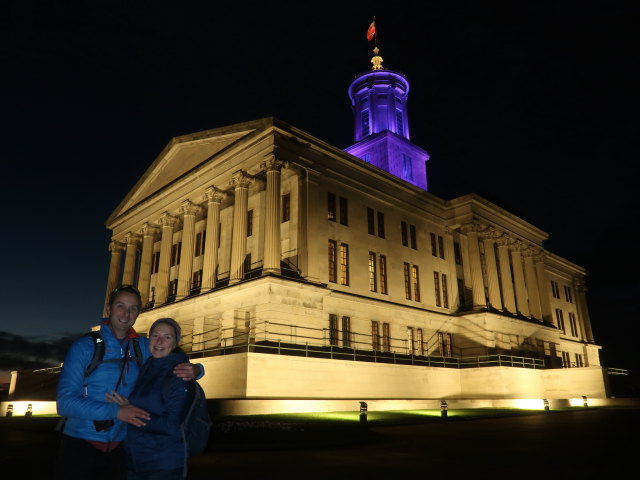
{"x": 443, "y": 408}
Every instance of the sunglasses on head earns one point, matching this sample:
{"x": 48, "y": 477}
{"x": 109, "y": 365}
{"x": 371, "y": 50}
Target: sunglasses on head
{"x": 125, "y": 288}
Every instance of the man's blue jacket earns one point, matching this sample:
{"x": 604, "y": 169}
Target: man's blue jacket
{"x": 82, "y": 400}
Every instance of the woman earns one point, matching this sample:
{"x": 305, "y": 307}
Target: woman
{"x": 155, "y": 450}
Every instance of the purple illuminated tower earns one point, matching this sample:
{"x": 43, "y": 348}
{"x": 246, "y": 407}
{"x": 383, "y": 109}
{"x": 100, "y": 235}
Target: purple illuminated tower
{"x": 381, "y": 124}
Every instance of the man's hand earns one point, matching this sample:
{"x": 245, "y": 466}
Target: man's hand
{"x": 133, "y": 415}
{"x": 186, "y": 371}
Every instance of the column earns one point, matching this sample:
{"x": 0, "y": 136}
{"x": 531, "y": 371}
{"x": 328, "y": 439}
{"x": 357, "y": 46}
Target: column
{"x": 477, "y": 282}
{"x": 272, "y": 253}
{"x": 543, "y": 288}
{"x": 532, "y": 284}
{"x": 116, "y": 249}
{"x": 167, "y": 222}
{"x": 148, "y": 236}
{"x": 188, "y": 210}
{"x": 583, "y": 310}
{"x": 506, "y": 281}
{"x": 214, "y": 198}
{"x": 491, "y": 266}
{"x": 240, "y": 181}
{"x": 128, "y": 275}
{"x": 452, "y": 277}
{"x": 522, "y": 300}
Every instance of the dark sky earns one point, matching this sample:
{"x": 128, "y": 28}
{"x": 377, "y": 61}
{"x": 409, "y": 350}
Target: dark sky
{"x": 532, "y": 105}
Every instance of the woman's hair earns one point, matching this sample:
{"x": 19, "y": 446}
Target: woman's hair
{"x": 172, "y": 323}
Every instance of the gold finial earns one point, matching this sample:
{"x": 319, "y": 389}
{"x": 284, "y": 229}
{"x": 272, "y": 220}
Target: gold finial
{"x": 376, "y": 60}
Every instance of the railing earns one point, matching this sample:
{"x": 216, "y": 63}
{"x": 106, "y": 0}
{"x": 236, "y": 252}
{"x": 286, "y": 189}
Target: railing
{"x": 617, "y": 371}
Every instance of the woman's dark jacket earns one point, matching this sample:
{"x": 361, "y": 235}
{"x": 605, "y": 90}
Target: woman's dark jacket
{"x": 159, "y": 445}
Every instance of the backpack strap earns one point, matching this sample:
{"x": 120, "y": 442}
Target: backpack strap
{"x": 137, "y": 352}
{"x": 98, "y": 352}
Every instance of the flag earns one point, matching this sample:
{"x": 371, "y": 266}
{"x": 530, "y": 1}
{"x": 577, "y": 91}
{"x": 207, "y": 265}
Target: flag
{"x": 371, "y": 31}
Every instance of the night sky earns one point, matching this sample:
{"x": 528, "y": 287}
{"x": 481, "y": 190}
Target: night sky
{"x": 532, "y": 105}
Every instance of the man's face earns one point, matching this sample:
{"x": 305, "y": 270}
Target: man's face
{"x": 123, "y": 313}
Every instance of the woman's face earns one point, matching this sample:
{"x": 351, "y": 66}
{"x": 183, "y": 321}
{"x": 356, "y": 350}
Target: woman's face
{"x": 162, "y": 340}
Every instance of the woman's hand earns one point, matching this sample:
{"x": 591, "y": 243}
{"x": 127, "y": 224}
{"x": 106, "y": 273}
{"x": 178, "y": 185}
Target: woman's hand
{"x": 115, "y": 397}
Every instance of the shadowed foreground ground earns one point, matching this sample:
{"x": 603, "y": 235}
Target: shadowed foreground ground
{"x": 581, "y": 444}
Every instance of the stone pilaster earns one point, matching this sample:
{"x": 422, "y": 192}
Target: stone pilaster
{"x": 583, "y": 310}
{"x": 214, "y": 197}
{"x": 522, "y": 299}
{"x": 149, "y": 233}
{"x": 240, "y": 181}
{"x": 116, "y": 249}
{"x": 477, "y": 282}
{"x": 272, "y": 253}
{"x": 506, "y": 280}
{"x": 491, "y": 266}
{"x": 452, "y": 283}
{"x": 188, "y": 210}
{"x": 168, "y": 223}
{"x": 543, "y": 288}
{"x": 532, "y": 284}
{"x": 133, "y": 244}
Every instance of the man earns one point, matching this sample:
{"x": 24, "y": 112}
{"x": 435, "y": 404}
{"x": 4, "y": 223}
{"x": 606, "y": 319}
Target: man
{"x": 91, "y": 444}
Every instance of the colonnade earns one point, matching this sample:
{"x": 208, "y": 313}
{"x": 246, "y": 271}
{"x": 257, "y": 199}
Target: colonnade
{"x": 143, "y": 240}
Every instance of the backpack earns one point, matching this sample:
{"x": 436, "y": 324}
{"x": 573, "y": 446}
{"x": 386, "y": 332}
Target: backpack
{"x": 98, "y": 353}
{"x": 196, "y": 425}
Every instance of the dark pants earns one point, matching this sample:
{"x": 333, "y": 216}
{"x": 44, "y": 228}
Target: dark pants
{"x": 79, "y": 460}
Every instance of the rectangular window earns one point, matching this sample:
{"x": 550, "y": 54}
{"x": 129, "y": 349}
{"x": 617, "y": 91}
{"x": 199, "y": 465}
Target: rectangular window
{"x": 173, "y": 287}
{"x": 366, "y": 130}
{"x": 555, "y": 290}
{"x": 404, "y": 233}
{"x": 399, "y": 126}
{"x": 410, "y": 341}
{"x": 445, "y": 344}
{"x": 155, "y": 262}
{"x": 249, "y": 223}
{"x": 196, "y": 280}
{"x": 200, "y": 239}
{"x": 412, "y": 235}
{"x": 381, "y": 224}
{"x": 375, "y": 335}
{"x": 434, "y": 245}
{"x": 567, "y": 294}
{"x": 346, "y": 331}
{"x": 573, "y": 324}
{"x": 407, "y": 167}
{"x": 419, "y": 342}
{"x": 566, "y": 360}
{"x": 441, "y": 246}
{"x": 445, "y": 293}
{"x": 386, "y": 337}
{"x": 415, "y": 280}
{"x": 344, "y": 211}
{"x": 560, "y": 320}
{"x": 344, "y": 264}
{"x": 457, "y": 253}
{"x": 331, "y": 207}
{"x": 333, "y": 329}
{"x": 579, "y": 363}
{"x": 247, "y": 263}
{"x": 373, "y": 276}
{"x": 407, "y": 281}
{"x": 371, "y": 227}
{"x": 383, "y": 274}
{"x": 286, "y": 207}
{"x": 436, "y": 287}
{"x": 333, "y": 261}
{"x": 176, "y": 249}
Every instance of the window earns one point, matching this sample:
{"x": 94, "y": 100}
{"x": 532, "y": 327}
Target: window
{"x": 399, "y": 126}
{"x": 371, "y": 227}
{"x": 560, "y": 320}
{"x": 445, "y": 293}
{"x": 579, "y": 362}
{"x": 407, "y": 167}
{"x": 419, "y": 342}
{"x": 366, "y": 129}
{"x": 381, "y": 224}
{"x": 436, "y": 286}
{"x": 566, "y": 361}
{"x": 333, "y": 261}
{"x": 331, "y": 207}
{"x": 176, "y": 249}
{"x": 412, "y": 236}
{"x": 333, "y": 329}
{"x": 344, "y": 264}
{"x": 155, "y": 262}
{"x": 457, "y": 253}
{"x": 173, "y": 287}
{"x": 383, "y": 274}
{"x": 286, "y": 207}
{"x": 445, "y": 344}
{"x": 249, "y": 223}
{"x": 415, "y": 280}
{"x": 247, "y": 263}
{"x": 410, "y": 341}
{"x": 555, "y": 290}
{"x": 573, "y": 325}
{"x": 434, "y": 246}
{"x": 375, "y": 335}
{"x": 196, "y": 280}
{"x": 386, "y": 337}
{"x": 441, "y": 246}
{"x": 373, "y": 281}
{"x": 567, "y": 294}
{"x": 346, "y": 331}
{"x": 403, "y": 231}
{"x": 437, "y": 247}
{"x": 200, "y": 239}
{"x": 407, "y": 281}
{"x": 344, "y": 211}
